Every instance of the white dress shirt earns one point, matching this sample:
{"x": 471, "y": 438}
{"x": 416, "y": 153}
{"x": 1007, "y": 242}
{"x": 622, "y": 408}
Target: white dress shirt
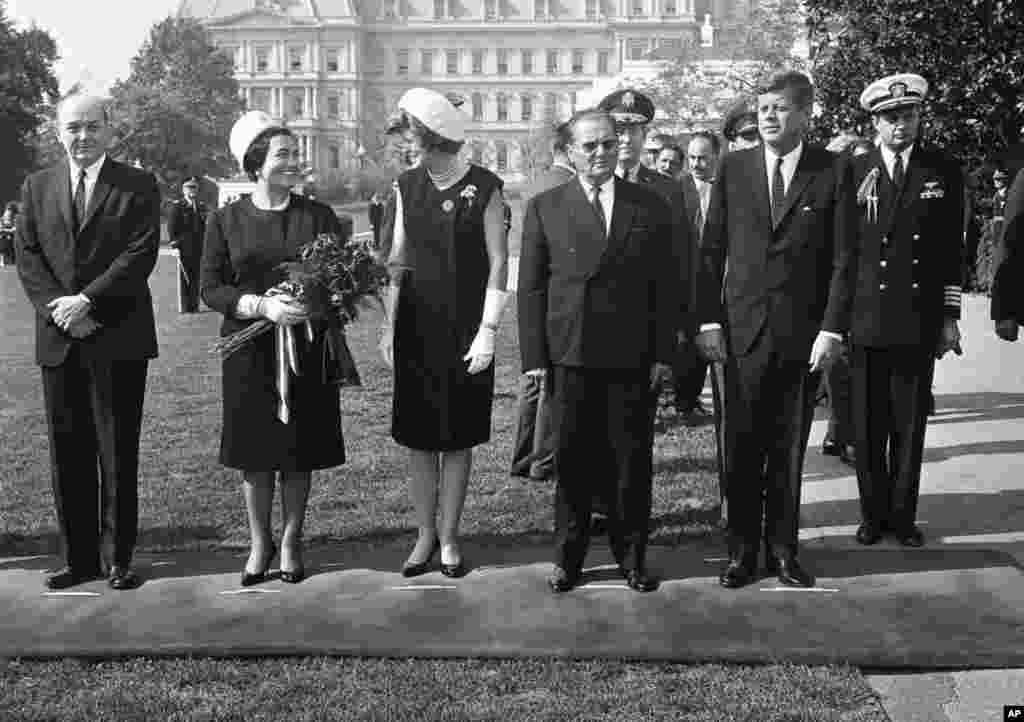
{"x": 789, "y": 164}
{"x": 704, "y": 193}
{"x": 630, "y": 175}
{"x": 92, "y": 174}
{"x": 889, "y": 158}
{"x": 607, "y": 198}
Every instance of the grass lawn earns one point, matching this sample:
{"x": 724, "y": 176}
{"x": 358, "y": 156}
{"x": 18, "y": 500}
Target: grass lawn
{"x": 187, "y": 501}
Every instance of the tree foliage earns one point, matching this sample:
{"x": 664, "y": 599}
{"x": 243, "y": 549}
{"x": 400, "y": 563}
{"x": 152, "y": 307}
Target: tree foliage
{"x": 698, "y": 84}
{"x": 28, "y": 87}
{"x": 968, "y": 50}
{"x": 175, "y": 111}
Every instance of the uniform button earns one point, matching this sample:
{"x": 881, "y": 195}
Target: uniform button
{"x": 917, "y": 237}
{"x": 913, "y": 285}
{"x": 881, "y": 286}
{"x": 883, "y": 264}
{"x": 915, "y": 261}
{"x": 885, "y": 240}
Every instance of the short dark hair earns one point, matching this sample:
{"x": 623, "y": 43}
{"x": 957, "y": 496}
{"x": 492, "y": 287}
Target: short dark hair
{"x": 672, "y": 147}
{"x": 256, "y": 155}
{"x": 798, "y": 86}
{"x": 716, "y": 144}
{"x": 405, "y": 121}
{"x": 561, "y": 137}
{"x": 589, "y": 114}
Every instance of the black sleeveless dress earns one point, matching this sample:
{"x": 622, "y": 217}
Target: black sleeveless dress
{"x": 442, "y": 272}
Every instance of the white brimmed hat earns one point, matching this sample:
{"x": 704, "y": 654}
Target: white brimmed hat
{"x": 894, "y": 91}
{"x": 436, "y": 112}
{"x": 246, "y": 129}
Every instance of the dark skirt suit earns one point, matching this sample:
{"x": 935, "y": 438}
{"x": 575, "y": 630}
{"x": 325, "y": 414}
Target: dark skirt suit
{"x": 243, "y": 247}
{"x": 442, "y": 271}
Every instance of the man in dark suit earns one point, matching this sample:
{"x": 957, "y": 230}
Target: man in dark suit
{"x": 1007, "y": 305}
{"x": 87, "y": 243}
{"x": 375, "y": 212}
{"x": 777, "y": 218}
{"x": 906, "y": 302}
{"x": 533, "y": 455}
{"x": 187, "y": 226}
{"x": 597, "y": 317}
{"x": 691, "y": 368}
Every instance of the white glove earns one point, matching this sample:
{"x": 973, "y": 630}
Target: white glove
{"x": 283, "y": 310}
{"x": 481, "y": 351}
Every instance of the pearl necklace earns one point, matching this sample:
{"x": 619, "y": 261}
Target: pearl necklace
{"x": 448, "y": 175}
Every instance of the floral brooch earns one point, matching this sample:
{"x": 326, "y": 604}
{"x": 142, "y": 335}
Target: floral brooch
{"x": 447, "y": 205}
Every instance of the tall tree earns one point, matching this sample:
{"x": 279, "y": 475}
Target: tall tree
{"x": 28, "y": 87}
{"x": 698, "y": 82}
{"x": 175, "y": 111}
{"x": 968, "y": 50}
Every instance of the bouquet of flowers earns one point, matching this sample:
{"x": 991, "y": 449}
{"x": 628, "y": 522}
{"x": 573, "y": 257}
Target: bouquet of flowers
{"x": 333, "y": 278}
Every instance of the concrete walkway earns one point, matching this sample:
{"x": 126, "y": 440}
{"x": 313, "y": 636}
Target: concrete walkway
{"x": 972, "y": 496}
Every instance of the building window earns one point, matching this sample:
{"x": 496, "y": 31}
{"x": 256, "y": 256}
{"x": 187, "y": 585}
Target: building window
{"x": 333, "y": 157}
{"x": 261, "y": 58}
{"x": 439, "y": 9}
{"x": 478, "y": 62}
{"x": 331, "y": 60}
{"x": 550, "y": 106}
{"x": 526, "y": 103}
{"x": 636, "y": 8}
{"x": 591, "y": 9}
{"x": 296, "y": 103}
{"x": 387, "y": 8}
{"x": 295, "y": 57}
{"x": 402, "y": 62}
{"x": 478, "y": 107}
{"x": 602, "y": 62}
{"x": 670, "y": 7}
{"x": 577, "y": 62}
{"x": 552, "y": 62}
{"x": 527, "y": 62}
{"x": 261, "y": 99}
{"x": 427, "y": 62}
{"x": 540, "y": 9}
{"x": 501, "y": 155}
{"x": 502, "y": 62}
{"x": 501, "y": 102}
{"x": 451, "y": 62}
{"x": 345, "y": 104}
{"x": 490, "y": 9}
{"x": 671, "y": 44}
{"x": 572, "y": 101}
{"x": 333, "y": 106}
{"x": 636, "y": 49}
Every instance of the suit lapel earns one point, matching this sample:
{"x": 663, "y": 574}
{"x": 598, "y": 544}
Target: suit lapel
{"x": 801, "y": 178}
{"x": 63, "y": 179}
{"x": 99, "y": 193}
{"x": 758, "y": 176}
{"x": 622, "y": 220}
{"x": 913, "y": 179}
{"x": 888, "y": 193}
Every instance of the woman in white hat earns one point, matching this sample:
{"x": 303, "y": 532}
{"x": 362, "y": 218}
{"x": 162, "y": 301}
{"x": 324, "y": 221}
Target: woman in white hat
{"x": 244, "y": 245}
{"x": 448, "y": 277}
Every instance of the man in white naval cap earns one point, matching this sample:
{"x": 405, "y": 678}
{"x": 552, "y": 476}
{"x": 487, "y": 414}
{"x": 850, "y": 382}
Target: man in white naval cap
{"x": 906, "y": 303}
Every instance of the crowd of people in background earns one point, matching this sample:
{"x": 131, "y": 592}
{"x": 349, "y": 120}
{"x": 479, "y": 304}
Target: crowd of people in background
{"x": 781, "y": 271}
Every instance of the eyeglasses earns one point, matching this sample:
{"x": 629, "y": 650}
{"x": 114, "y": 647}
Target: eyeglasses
{"x": 607, "y": 145}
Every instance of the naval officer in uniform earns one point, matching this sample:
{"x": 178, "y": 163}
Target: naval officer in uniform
{"x": 906, "y": 302}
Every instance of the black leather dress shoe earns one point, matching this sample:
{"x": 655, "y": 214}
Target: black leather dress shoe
{"x": 639, "y": 581}
{"x": 737, "y": 574}
{"x": 294, "y": 576}
{"x": 791, "y": 574}
{"x": 415, "y": 570}
{"x": 830, "y": 447}
{"x": 252, "y": 578}
{"x": 562, "y": 581}
{"x": 848, "y": 455}
{"x": 122, "y": 578}
{"x": 912, "y": 537}
{"x": 68, "y": 577}
{"x": 868, "y": 534}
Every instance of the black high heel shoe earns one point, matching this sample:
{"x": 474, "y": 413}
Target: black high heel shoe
{"x": 415, "y": 570}
{"x": 251, "y": 578}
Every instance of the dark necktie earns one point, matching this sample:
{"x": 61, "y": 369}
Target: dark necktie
{"x": 599, "y": 210}
{"x": 80, "y": 202}
{"x": 897, "y": 172}
{"x": 778, "y": 192}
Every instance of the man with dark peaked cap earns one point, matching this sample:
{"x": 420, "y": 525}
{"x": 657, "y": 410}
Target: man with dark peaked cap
{"x": 740, "y": 126}
{"x": 906, "y": 303}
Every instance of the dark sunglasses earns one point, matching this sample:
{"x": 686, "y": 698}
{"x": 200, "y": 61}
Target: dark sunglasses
{"x": 606, "y": 145}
